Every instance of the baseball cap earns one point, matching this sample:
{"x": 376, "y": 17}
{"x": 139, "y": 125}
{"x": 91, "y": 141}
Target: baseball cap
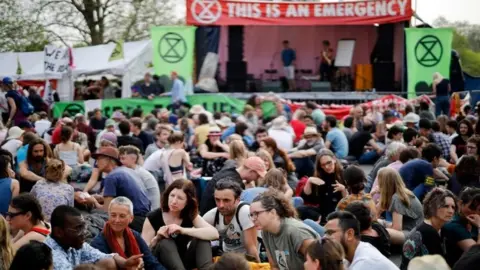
{"x": 256, "y": 164}
{"x": 7, "y": 80}
{"x": 109, "y": 123}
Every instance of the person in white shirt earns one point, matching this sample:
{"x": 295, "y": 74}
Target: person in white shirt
{"x": 43, "y": 124}
{"x": 345, "y": 228}
{"x": 231, "y": 219}
{"x": 282, "y": 133}
{"x": 13, "y": 141}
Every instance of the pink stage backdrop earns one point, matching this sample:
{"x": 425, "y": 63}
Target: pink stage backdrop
{"x": 263, "y": 45}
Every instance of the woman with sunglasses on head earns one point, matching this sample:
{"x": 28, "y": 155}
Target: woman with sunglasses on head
{"x": 325, "y": 254}
{"x": 25, "y": 216}
{"x": 322, "y": 192}
{"x": 286, "y": 238}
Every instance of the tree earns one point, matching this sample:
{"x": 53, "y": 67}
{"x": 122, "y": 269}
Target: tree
{"x": 466, "y": 41}
{"x": 17, "y": 32}
{"x": 100, "y": 21}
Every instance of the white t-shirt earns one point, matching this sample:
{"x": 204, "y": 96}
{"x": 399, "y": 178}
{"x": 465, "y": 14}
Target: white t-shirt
{"x": 230, "y": 234}
{"x": 367, "y": 257}
{"x": 12, "y": 146}
{"x": 283, "y": 138}
{"x": 154, "y": 161}
{"x": 41, "y": 126}
{"x": 3, "y": 103}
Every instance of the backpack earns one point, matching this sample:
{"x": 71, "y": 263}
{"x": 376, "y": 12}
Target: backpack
{"x": 261, "y": 246}
{"x": 25, "y": 106}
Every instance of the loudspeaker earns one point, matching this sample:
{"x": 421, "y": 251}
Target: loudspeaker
{"x": 235, "y": 43}
{"x": 237, "y": 76}
{"x": 384, "y": 76}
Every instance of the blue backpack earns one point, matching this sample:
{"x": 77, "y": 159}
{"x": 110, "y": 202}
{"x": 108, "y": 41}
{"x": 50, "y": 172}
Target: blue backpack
{"x": 25, "y": 106}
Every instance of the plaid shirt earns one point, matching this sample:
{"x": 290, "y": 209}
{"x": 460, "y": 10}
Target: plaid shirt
{"x": 443, "y": 141}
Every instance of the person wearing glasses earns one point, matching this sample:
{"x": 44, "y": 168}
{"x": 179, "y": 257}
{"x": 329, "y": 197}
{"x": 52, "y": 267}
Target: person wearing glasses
{"x": 286, "y": 238}
{"x": 69, "y": 249}
{"x": 25, "y": 215}
{"x": 325, "y": 254}
{"x": 325, "y": 189}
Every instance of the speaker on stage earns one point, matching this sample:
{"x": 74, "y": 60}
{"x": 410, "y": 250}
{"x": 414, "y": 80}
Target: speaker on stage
{"x": 384, "y": 76}
{"x": 237, "y": 76}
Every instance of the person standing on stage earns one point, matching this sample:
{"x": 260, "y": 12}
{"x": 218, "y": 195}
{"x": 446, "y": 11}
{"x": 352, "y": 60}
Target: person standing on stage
{"x": 326, "y": 64}
{"x": 288, "y": 58}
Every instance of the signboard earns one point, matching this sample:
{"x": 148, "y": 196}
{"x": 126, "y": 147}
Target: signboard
{"x": 56, "y": 59}
{"x": 239, "y": 12}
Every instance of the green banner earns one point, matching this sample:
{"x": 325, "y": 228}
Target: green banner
{"x": 211, "y": 102}
{"x": 173, "y": 48}
{"x": 428, "y": 51}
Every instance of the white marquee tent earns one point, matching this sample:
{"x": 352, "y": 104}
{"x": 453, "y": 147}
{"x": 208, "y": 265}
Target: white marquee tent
{"x": 91, "y": 60}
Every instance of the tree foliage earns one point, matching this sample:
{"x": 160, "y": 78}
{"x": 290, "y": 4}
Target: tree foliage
{"x": 17, "y": 31}
{"x": 466, "y": 41}
{"x": 94, "y": 22}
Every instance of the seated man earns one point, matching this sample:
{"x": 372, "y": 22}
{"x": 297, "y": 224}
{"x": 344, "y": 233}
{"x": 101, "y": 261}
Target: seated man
{"x": 336, "y": 140}
{"x": 360, "y": 140}
{"x": 303, "y": 156}
{"x": 68, "y": 246}
{"x": 231, "y": 219}
{"x": 119, "y": 182}
{"x": 116, "y": 232}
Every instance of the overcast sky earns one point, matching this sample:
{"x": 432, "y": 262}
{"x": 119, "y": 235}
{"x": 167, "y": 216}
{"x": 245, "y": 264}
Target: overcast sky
{"x": 453, "y": 10}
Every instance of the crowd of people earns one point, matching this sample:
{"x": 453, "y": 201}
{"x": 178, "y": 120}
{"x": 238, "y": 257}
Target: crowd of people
{"x": 187, "y": 189}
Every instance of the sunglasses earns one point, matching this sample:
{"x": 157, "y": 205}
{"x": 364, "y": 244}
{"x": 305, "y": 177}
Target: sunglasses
{"x": 12, "y": 215}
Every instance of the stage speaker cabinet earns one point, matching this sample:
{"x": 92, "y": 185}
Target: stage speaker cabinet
{"x": 384, "y": 76}
{"x": 237, "y": 76}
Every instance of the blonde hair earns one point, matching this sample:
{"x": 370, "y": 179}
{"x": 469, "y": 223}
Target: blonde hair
{"x": 390, "y": 182}
{"x": 237, "y": 150}
{"x": 264, "y": 154}
{"x": 275, "y": 178}
{"x": 54, "y": 170}
{"x": 6, "y": 250}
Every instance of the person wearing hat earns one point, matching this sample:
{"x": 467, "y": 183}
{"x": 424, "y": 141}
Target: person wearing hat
{"x": 213, "y": 152}
{"x": 336, "y": 140}
{"x": 43, "y": 124}
{"x": 303, "y": 156}
{"x": 224, "y": 122}
{"x": 14, "y": 140}
{"x": 14, "y": 100}
{"x": 282, "y": 133}
{"x": 250, "y": 171}
{"x": 109, "y": 127}
{"x": 120, "y": 182}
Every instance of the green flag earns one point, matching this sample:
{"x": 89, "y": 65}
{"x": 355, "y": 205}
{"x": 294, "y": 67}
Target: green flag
{"x": 173, "y": 50}
{"x": 428, "y": 51}
{"x": 117, "y": 53}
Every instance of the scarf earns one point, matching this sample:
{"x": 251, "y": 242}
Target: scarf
{"x": 131, "y": 245}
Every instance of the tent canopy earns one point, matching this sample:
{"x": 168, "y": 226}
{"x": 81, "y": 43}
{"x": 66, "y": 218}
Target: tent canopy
{"x": 92, "y": 60}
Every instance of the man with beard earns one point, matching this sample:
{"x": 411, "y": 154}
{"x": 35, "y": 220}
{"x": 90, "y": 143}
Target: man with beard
{"x": 69, "y": 249}
{"x": 344, "y": 227}
{"x": 231, "y": 219}
{"x": 304, "y": 154}
{"x": 33, "y": 168}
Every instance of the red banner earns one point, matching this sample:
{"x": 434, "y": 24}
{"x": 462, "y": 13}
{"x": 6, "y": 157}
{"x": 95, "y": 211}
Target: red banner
{"x": 238, "y": 12}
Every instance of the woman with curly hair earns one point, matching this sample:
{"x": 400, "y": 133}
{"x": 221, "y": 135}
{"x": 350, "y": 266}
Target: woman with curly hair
{"x": 286, "y": 238}
{"x": 439, "y": 208}
{"x": 322, "y": 192}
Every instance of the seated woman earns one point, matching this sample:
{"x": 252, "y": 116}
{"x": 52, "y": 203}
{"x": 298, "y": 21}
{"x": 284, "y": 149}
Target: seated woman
{"x": 70, "y": 152}
{"x": 281, "y": 231}
{"x": 370, "y": 230}
{"x": 25, "y": 216}
{"x": 355, "y": 178}
{"x": 176, "y": 232}
{"x": 9, "y": 187}
{"x": 34, "y": 255}
{"x": 117, "y": 237}
{"x": 175, "y": 159}
{"x": 439, "y": 208}
{"x": 238, "y": 153}
{"x": 280, "y": 159}
{"x": 406, "y": 210}
{"x": 326, "y": 188}
{"x": 213, "y": 152}
{"x": 267, "y": 158}
{"x": 276, "y": 179}
{"x": 325, "y": 254}
{"x": 459, "y": 144}
{"x": 52, "y": 192}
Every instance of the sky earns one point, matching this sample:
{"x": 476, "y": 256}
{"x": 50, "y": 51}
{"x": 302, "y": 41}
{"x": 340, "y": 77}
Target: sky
{"x": 452, "y": 10}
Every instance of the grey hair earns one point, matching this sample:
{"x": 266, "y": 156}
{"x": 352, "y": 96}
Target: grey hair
{"x": 122, "y": 201}
{"x": 394, "y": 148}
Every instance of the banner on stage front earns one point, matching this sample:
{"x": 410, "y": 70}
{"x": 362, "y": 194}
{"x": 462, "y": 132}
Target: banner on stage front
{"x": 240, "y": 12}
{"x": 428, "y": 51}
{"x": 173, "y": 48}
